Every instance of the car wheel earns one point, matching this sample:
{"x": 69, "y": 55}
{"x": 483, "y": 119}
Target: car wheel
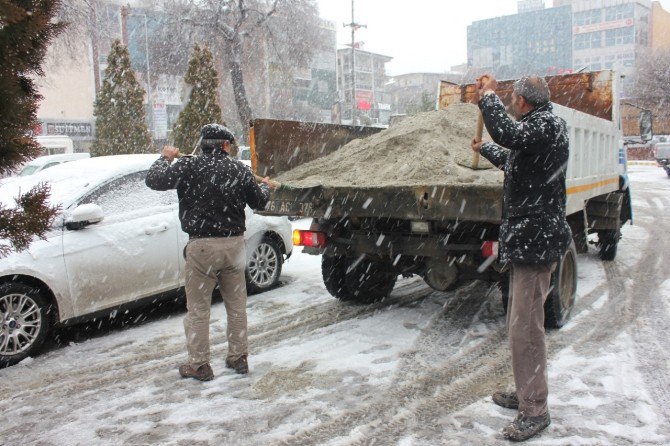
{"x": 264, "y": 266}
{"x": 25, "y": 320}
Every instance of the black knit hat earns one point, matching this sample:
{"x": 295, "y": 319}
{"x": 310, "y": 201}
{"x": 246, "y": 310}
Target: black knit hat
{"x": 216, "y": 133}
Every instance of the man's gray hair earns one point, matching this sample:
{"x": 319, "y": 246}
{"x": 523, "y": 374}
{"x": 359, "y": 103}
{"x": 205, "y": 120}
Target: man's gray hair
{"x": 534, "y": 89}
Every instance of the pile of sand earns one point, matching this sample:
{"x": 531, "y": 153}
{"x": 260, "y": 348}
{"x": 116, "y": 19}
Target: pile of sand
{"x": 427, "y": 149}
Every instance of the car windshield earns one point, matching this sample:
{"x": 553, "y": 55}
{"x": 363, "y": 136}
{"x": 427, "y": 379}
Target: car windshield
{"x": 28, "y": 170}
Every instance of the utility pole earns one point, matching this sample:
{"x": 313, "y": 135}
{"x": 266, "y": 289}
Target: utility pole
{"x": 354, "y": 26}
{"x": 95, "y": 49}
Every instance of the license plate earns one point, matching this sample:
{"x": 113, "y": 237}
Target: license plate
{"x": 284, "y": 207}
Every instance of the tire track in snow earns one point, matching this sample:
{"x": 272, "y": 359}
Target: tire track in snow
{"x": 148, "y": 359}
{"x": 650, "y": 324}
{"x": 624, "y": 311}
{"x": 423, "y": 392}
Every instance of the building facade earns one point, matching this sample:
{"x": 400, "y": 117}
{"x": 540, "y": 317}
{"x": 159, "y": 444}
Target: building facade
{"x": 537, "y": 41}
{"x": 660, "y": 24}
{"x": 72, "y": 80}
{"x": 611, "y": 34}
{"x": 602, "y": 34}
{"x": 529, "y": 5}
{"x": 372, "y": 103}
{"x": 68, "y": 92}
{"x": 315, "y": 89}
{"x": 407, "y": 91}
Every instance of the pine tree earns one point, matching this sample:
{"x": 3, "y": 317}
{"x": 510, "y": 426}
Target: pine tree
{"x": 203, "y": 106}
{"x": 119, "y": 110}
{"x": 26, "y": 29}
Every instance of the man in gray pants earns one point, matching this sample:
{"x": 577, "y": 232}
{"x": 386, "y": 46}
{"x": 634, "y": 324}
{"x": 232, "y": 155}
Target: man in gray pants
{"x": 213, "y": 190}
{"x": 532, "y": 150}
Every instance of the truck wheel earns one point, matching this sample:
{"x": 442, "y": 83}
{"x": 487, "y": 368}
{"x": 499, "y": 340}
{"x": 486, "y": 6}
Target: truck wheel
{"x": 581, "y": 241}
{"x": 561, "y": 298}
{"x": 364, "y": 282}
{"x": 608, "y": 241}
{"x": 503, "y": 286}
{"x": 25, "y": 320}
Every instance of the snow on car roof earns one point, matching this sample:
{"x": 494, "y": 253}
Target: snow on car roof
{"x": 70, "y": 180}
{"x": 42, "y": 160}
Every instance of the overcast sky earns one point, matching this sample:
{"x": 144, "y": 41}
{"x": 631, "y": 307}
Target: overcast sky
{"x": 420, "y": 35}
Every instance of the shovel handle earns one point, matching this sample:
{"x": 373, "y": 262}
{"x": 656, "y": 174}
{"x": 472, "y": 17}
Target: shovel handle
{"x": 272, "y": 183}
{"x": 258, "y": 178}
{"x": 478, "y": 137}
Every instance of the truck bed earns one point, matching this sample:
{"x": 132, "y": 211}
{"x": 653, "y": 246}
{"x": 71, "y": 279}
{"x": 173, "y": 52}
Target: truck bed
{"x": 452, "y": 202}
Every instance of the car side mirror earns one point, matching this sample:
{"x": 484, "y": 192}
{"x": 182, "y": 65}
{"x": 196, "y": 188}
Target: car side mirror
{"x": 84, "y": 215}
{"x": 646, "y": 130}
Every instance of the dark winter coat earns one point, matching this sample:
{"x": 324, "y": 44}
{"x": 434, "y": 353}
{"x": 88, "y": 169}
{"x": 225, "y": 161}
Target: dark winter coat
{"x": 213, "y": 190}
{"x": 533, "y": 153}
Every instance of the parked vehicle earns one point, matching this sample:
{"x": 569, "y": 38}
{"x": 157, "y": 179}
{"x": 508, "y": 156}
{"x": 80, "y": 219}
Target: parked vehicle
{"x": 55, "y": 144}
{"x": 369, "y": 236}
{"x": 44, "y": 162}
{"x": 662, "y": 155}
{"x": 244, "y": 155}
{"x": 115, "y": 242}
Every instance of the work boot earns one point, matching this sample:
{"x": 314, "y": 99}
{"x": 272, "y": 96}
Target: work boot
{"x": 240, "y": 364}
{"x": 523, "y": 427}
{"x": 202, "y": 373}
{"x": 508, "y": 400}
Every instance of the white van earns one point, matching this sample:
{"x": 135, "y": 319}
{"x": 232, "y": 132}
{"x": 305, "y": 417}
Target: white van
{"x": 44, "y": 162}
{"x": 55, "y": 144}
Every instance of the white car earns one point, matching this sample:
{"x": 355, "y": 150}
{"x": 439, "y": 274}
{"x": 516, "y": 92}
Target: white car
{"x": 44, "y": 162}
{"x": 244, "y": 155}
{"x": 115, "y": 242}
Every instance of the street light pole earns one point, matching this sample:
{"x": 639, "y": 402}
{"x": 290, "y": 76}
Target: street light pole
{"x": 146, "y": 58}
{"x": 354, "y": 26}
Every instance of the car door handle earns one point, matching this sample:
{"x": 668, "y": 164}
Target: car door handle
{"x": 156, "y": 229}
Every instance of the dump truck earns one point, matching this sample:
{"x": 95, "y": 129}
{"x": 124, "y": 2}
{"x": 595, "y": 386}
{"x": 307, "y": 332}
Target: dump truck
{"x": 368, "y": 237}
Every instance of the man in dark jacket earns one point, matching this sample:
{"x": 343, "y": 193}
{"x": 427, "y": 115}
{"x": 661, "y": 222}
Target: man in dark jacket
{"x": 213, "y": 190}
{"x": 534, "y": 234}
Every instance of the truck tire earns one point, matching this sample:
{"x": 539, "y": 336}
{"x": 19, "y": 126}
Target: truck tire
{"x": 608, "y": 240}
{"x": 563, "y": 288}
{"x": 366, "y": 281}
{"x": 503, "y": 286}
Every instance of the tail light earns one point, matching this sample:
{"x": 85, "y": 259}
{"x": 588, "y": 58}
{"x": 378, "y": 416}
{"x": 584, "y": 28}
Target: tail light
{"x": 490, "y": 249}
{"x": 312, "y": 239}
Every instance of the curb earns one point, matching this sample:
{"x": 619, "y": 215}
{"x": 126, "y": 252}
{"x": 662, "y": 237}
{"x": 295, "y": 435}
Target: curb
{"x": 642, "y": 163}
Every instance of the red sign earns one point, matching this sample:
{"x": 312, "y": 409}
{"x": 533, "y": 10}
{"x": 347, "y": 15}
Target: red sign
{"x": 362, "y": 105}
{"x": 603, "y": 26}
{"x": 364, "y": 99}
{"x": 37, "y": 130}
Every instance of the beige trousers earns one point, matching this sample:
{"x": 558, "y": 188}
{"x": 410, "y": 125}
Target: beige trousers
{"x": 208, "y": 261}
{"x": 529, "y": 286}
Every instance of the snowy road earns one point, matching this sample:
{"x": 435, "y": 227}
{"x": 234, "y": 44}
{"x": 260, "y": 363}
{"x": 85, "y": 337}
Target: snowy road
{"x": 416, "y": 369}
